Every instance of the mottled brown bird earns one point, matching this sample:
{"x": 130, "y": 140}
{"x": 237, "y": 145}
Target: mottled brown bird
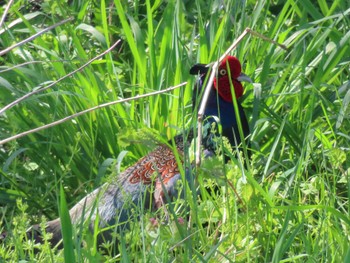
{"x": 153, "y": 179}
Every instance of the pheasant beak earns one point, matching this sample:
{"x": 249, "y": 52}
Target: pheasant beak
{"x": 244, "y": 77}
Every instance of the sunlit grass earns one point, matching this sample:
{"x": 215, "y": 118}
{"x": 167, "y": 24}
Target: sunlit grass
{"x": 294, "y": 206}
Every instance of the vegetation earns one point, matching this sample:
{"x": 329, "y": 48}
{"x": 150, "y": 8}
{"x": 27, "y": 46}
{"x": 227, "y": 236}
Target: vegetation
{"x": 290, "y": 204}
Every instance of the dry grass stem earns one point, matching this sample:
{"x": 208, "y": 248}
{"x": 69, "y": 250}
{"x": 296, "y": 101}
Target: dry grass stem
{"x": 55, "y": 82}
{"x": 52, "y": 124}
{"x": 5, "y": 12}
{"x": 6, "y": 50}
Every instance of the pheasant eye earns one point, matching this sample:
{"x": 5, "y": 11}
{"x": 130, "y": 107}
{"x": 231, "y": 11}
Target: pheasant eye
{"x": 222, "y": 72}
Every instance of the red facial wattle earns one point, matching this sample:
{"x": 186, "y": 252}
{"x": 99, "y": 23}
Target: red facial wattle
{"x": 222, "y": 82}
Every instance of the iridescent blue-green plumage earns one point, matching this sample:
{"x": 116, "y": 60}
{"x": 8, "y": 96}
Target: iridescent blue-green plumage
{"x": 221, "y": 107}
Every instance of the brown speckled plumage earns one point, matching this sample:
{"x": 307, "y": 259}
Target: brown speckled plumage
{"x": 114, "y": 200}
{"x": 153, "y": 179}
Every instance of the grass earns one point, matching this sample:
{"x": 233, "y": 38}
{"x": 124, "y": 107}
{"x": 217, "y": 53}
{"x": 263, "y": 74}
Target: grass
{"x": 295, "y": 204}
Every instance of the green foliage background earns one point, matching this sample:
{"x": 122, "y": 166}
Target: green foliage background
{"x": 296, "y": 200}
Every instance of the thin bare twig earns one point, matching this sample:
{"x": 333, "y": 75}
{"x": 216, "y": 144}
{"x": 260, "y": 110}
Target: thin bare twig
{"x": 207, "y": 92}
{"x": 2, "y": 52}
{"x": 55, "y": 82}
{"x": 46, "y": 126}
{"x": 211, "y": 80}
{"x": 254, "y": 33}
{"x": 33, "y": 62}
{"x": 5, "y": 12}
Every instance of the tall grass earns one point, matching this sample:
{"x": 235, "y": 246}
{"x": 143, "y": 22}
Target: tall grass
{"x": 294, "y": 206}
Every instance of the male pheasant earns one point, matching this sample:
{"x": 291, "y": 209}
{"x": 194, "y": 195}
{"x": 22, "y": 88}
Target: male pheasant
{"x": 154, "y": 176}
